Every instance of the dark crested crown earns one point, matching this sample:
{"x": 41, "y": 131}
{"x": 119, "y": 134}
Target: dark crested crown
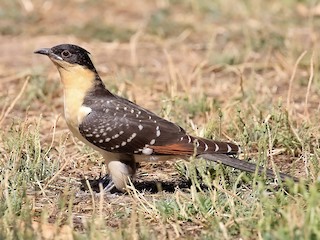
{"x": 73, "y": 54}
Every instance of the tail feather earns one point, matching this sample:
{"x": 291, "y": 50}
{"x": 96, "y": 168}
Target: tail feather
{"x": 212, "y": 146}
{"x": 188, "y": 145}
{"x": 245, "y": 166}
{"x": 214, "y": 151}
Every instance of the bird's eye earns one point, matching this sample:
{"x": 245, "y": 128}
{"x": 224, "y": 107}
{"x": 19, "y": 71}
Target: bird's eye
{"x": 65, "y": 53}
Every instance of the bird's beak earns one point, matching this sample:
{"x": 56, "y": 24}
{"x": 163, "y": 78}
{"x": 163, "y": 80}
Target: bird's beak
{"x": 48, "y": 52}
{"x": 44, "y": 51}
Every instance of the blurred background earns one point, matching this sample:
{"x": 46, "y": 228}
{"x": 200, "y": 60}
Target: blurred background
{"x": 244, "y": 71}
{"x": 217, "y": 68}
{"x": 194, "y": 56}
{"x": 156, "y": 42}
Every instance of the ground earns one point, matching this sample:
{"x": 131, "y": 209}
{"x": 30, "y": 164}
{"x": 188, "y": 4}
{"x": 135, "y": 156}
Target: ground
{"x": 244, "y": 71}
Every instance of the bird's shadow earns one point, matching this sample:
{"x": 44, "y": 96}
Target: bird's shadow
{"x": 149, "y": 186}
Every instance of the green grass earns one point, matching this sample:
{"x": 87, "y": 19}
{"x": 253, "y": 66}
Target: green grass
{"x": 25, "y": 166}
{"x": 220, "y": 69}
{"x": 230, "y": 205}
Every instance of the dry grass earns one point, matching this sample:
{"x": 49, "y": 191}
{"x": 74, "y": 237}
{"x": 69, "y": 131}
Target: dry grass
{"x": 246, "y": 71}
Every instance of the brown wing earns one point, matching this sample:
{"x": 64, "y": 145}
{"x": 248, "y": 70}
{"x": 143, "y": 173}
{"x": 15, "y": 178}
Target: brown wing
{"x": 118, "y": 125}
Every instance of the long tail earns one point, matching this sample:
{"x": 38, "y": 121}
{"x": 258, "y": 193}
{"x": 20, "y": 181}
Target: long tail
{"x": 214, "y": 151}
{"x": 188, "y": 145}
{"x": 245, "y": 166}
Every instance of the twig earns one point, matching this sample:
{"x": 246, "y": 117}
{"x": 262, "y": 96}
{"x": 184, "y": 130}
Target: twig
{"x": 56, "y": 174}
{"x": 3, "y": 117}
{"x": 53, "y": 135}
{"x": 15, "y": 76}
{"x": 133, "y": 47}
{"x": 270, "y": 144}
{"x": 306, "y": 112}
{"x": 92, "y": 197}
{"x": 292, "y": 77}
{"x": 148, "y": 207}
{"x": 172, "y": 73}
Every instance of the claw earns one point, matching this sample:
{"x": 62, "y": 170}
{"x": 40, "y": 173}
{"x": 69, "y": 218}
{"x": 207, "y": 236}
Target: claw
{"x": 107, "y": 183}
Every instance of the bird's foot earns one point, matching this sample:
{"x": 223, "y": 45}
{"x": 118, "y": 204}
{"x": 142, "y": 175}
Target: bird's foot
{"x": 107, "y": 183}
{"x": 104, "y": 184}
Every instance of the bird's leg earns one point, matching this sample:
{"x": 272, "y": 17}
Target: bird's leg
{"x": 120, "y": 171}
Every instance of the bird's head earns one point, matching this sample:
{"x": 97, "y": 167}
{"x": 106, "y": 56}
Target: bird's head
{"x": 74, "y": 64}
{"x": 67, "y": 56}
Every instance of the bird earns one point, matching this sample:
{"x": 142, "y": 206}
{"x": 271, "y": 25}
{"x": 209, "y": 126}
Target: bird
{"x": 124, "y": 132}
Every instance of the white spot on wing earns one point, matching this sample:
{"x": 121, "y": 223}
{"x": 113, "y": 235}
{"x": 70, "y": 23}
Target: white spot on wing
{"x": 115, "y": 136}
{"x": 140, "y": 127}
{"x": 153, "y": 141}
{"x": 133, "y": 135}
{"x": 229, "y": 148}
{"x": 217, "y": 147}
{"x": 147, "y": 151}
{"x": 205, "y": 147}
